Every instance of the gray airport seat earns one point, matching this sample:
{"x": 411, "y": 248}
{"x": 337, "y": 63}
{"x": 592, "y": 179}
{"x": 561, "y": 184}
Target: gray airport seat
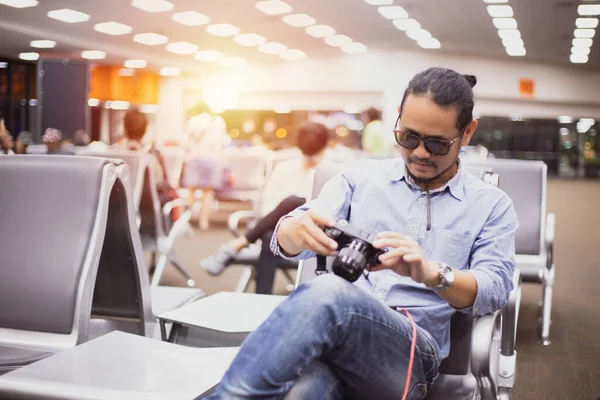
{"x": 120, "y": 366}
{"x": 479, "y": 346}
{"x": 525, "y": 182}
{"x": 71, "y": 257}
{"x": 157, "y": 231}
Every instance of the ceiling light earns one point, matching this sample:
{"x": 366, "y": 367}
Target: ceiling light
{"x": 93, "y": 102}
{"x": 299, "y": 20}
{"x": 587, "y": 121}
{"x": 190, "y": 18}
{"x": 272, "y": 48}
{"x": 392, "y": 12}
{"x": 222, "y": 30}
{"x": 354, "y": 48}
{"x": 320, "y": 31}
{"x": 582, "y": 42}
{"x": 565, "y": 119}
{"x": 182, "y": 48}
{"x": 500, "y": 11}
{"x": 148, "y": 108}
{"x": 19, "y": 3}
{"x": 113, "y": 28}
{"x": 43, "y": 44}
{"x": 249, "y": 39}
{"x": 584, "y": 33}
{"x": 232, "y": 62}
{"x": 93, "y": 54}
{"x": 509, "y": 33}
{"x": 431, "y": 43}
{"x": 407, "y": 24}
{"x": 579, "y": 58}
{"x": 282, "y": 109}
{"x": 29, "y": 56}
{"x": 170, "y": 71}
{"x": 517, "y": 51}
{"x": 273, "y": 7}
{"x": 3, "y": 64}
{"x": 292, "y": 55}
{"x": 379, "y": 2}
{"x": 580, "y": 50}
{"x": 586, "y": 23}
{"x": 589, "y": 9}
{"x": 419, "y": 34}
{"x": 150, "y": 39}
{"x": 135, "y": 63}
{"x": 505, "y": 23}
{"x": 119, "y": 105}
{"x": 514, "y": 42}
{"x": 338, "y": 40}
{"x": 209, "y": 55}
{"x": 126, "y": 72}
{"x": 495, "y": 1}
{"x": 68, "y": 15}
{"x": 153, "y": 6}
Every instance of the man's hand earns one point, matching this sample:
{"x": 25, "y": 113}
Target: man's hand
{"x": 405, "y": 257}
{"x": 306, "y": 233}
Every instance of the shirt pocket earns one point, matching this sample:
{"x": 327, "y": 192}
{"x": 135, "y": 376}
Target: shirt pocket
{"x": 450, "y": 247}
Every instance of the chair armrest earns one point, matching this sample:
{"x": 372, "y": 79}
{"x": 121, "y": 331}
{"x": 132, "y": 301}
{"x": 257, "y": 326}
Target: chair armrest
{"x": 234, "y": 220}
{"x": 170, "y": 206}
{"x": 484, "y": 351}
{"x": 550, "y": 226}
{"x": 510, "y": 317}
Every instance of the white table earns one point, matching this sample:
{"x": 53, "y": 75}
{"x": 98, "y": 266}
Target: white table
{"x": 120, "y": 366}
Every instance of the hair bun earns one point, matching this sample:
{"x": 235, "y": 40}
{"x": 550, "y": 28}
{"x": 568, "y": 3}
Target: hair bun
{"x": 471, "y": 79}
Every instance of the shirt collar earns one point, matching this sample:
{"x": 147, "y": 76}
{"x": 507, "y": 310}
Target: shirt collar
{"x": 396, "y": 172}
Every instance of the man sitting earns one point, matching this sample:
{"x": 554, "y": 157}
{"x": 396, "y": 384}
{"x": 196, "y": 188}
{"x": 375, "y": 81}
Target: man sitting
{"x": 450, "y": 240}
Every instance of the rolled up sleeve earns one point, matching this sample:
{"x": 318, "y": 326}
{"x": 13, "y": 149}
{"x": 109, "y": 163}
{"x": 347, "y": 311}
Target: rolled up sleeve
{"x": 493, "y": 259}
{"x": 333, "y": 201}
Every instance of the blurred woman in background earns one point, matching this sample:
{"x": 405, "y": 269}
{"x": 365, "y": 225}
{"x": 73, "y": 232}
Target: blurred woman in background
{"x": 288, "y": 187}
{"x": 206, "y": 168}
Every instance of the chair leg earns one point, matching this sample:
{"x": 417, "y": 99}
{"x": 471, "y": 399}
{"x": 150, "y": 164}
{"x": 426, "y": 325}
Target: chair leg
{"x": 244, "y": 279}
{"x": 160, "y": 267}
{"x": 190, "y": 282}
{"x": 547, "y": 305}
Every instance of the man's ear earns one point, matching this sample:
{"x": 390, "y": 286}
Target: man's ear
{"x": 469, "y": 132}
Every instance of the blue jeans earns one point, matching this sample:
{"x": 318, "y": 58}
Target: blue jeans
{"x": 330, "y": 340}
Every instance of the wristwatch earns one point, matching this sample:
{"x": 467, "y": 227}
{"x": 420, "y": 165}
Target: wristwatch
{"x": 446, "y": 277}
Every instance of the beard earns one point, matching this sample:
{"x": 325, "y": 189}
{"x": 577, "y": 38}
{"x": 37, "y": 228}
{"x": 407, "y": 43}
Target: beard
{"x": 422, "y": 180}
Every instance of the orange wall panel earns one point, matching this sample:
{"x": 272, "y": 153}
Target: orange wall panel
{"x": 140, "y": 88}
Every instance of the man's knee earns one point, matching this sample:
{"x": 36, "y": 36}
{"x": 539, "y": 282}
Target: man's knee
{"x": 328, "y": 289}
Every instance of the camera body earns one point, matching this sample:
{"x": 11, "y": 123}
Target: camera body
{"x": 355, "y": 250}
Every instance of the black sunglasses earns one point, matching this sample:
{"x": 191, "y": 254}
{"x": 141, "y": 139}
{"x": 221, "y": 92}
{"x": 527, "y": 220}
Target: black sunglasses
{"x": 411, "y": 141}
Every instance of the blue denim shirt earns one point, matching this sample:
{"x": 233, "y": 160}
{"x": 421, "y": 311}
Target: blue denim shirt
{"x": 473, "y": 227}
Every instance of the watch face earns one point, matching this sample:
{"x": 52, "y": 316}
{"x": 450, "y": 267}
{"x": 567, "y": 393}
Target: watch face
{"x": 449, "y": 277}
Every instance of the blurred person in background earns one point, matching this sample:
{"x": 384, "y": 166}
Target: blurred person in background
{"x": 81, "y": 138}
{"x": 337, "y": 151}
{"x": 374, "y": 140}
{"x": 206, "y": 168}
{"x": 54, "y": 142}
{"x": 6, "y": 144}
{"x": 288, "y": 187}
{"x": 24, "y": 140}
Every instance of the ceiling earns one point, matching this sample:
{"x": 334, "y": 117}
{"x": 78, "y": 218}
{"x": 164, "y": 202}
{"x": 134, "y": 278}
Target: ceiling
{"x": 462, "y": 27}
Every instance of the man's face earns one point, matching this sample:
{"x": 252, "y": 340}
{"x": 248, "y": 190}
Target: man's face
{"x": 421, "y": 117}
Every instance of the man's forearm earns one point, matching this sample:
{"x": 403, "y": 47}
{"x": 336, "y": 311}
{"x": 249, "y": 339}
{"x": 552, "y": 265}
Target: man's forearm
{"x": 463, "y": 291}
{"x": 284, "y": 240}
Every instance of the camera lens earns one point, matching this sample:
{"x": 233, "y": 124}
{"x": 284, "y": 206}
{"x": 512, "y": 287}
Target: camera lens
{"x": 351, "y": 261}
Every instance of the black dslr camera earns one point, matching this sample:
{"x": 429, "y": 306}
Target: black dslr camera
{"x": 355, "y": 250}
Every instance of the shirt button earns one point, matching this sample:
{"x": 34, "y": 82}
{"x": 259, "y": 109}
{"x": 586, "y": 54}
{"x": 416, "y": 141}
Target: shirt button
{"x": 475, "y": 310}
{"x": 413, "y": 227}
{"x": 420, "y": 199}
{"x": 379, "y": 296}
